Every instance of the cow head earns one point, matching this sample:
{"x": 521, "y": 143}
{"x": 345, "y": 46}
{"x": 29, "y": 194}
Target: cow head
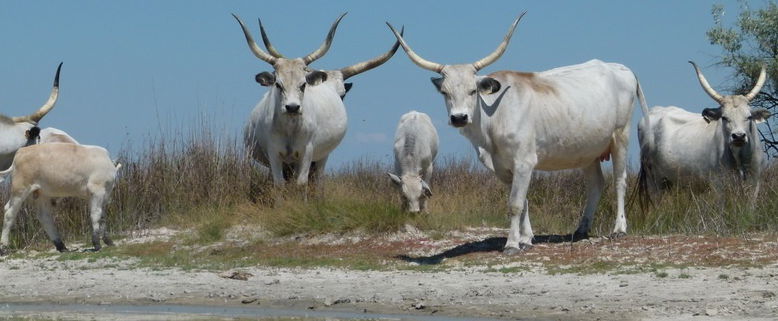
{"x": 17, "y": 132}
{"x": 290, "y": 77}
{"x": 336, "y": 78}
{"x": 460, "y": 84}
{"x": 734, "y": 113}
{"x": 413, "y": 190}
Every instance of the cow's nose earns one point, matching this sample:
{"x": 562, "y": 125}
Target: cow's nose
{"x": 292, "y": 108}
{"x": 459, "y": 120}
{"x": 739, "y": 136}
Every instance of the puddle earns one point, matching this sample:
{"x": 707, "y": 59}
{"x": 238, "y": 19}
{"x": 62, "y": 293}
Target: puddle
{"x": 195, "y": 312}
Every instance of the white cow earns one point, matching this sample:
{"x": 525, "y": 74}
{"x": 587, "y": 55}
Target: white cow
{"x": 17, "y": 132}
{"x": 679, "y": 143}
{"x": 53, "y": 135}
{"x": 60, "y": 170}
{"x": 568, "y": 117}
{"x": 301, "y": 119}
{"x": 415, "y": 148}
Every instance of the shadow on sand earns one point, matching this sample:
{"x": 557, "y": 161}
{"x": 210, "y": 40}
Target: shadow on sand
{"x": 491, "y": 244}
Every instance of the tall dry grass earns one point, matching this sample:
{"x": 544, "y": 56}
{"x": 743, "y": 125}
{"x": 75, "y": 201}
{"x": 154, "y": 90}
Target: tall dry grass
{"x": 207, "y": 182}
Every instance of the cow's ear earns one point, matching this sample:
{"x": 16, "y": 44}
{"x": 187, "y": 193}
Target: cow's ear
{"x": 315, "y": 78}
{"x": 33, "y": 133}
{"x": 711, "y": 114}
{"x": 760, "y": 115}
{"x": 488, "y": 86}
{"x": 265, "y": 78}
{"x": 426, "y": 188}
{"x": 395, "y": 179}
{"x": 437, "y": 81}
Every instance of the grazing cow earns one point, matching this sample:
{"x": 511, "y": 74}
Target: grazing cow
{"x": 415, "y": 148}
{"x": 679, "y": 143}
{"x": 564, "y": 118}
{"x": 301, "y": 119}
{"x": 17, "y": 132}
{"x": 60, "y": 170}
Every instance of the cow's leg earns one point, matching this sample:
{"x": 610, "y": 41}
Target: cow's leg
{"x": 426, "y": 175}
{"x": 317, "y": 171}
{"x": 11, "y": 209}
{"x": 595, "y": 183}
{"x": 619, "y": 154}
{"x": 304, "y": 165}
{"x": 520, "y": 235}
{"x": 276, "y": 166}
{"x": 44, "y": 216}
{"x": 96, "y": 214}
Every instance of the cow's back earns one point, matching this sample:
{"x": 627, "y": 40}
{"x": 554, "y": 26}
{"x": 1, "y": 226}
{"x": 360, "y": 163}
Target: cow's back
{"x": 684, "y": 144}
{"x": 569, "y": 113}
{"x": 415, "y": 142}
{"x": 63, "y": 169}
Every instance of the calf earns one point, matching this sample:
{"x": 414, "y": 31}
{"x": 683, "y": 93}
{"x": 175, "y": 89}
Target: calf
{"x": 60, "y": 170}
{"x": 415, "y": 148}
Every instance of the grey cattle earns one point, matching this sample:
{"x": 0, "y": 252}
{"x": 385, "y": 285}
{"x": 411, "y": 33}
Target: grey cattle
{"x": 55, "y": 170}
{"x": 415, "y": 148}
{"x": 17, "y": 132}
{"x": 680, "y": 144}
{"x": 564, "y": 118}
{"x": 301, "y": 119}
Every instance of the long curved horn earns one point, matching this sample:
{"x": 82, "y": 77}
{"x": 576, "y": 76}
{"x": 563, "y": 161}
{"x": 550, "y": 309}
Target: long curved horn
{"x": 759, "y": 83}
{"x": 418, "y": 60}
{"x": 370, "y": 64}
{"x": 253, "y": 45}
{"x": 36, "y": 116}
{"x": 488, "y": 60}
{"x": 325, "y": 46}
{"x": 712, "y": 93}
{"x": 272, "y": 50}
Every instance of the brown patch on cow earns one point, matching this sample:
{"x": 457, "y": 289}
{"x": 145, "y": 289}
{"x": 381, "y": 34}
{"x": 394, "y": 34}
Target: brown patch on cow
{"x": 529, "y": 79}
{"x": 606, "y": 155}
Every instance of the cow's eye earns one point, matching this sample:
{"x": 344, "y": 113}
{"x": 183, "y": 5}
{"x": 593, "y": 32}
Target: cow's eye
{"x": 302, "y": 87}
{"x": 472, "y": 92}
{"x": 724, "y": 118}
{"x": 279, "y": 87}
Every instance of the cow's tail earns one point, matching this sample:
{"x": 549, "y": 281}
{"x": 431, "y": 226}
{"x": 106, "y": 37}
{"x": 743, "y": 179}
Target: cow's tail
{"x": 646, "y": 139}
{"x": 5, "y": 173}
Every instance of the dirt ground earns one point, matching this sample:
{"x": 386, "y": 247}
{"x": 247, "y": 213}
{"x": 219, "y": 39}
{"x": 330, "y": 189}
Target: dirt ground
{"x": 632, "y": 278}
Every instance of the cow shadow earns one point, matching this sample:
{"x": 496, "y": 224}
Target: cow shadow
{"x": 492, "y": 244}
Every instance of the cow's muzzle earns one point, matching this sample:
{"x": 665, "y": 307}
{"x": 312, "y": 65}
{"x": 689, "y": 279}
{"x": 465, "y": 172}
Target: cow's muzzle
{"x": 739, "y": 139}
{"x": 459, "y": 120}
{"x": 292, "y": 108}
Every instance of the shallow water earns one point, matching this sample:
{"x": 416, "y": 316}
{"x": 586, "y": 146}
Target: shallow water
{"x": 197, "y": 312}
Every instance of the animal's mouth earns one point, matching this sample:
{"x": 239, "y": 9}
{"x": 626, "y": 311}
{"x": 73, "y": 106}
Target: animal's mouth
{"x": 738, "y": 143}
{"x": 459, "y": 124}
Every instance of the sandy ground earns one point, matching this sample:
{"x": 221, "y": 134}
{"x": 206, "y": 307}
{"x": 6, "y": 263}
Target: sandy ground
{"x": 528, "y": 291}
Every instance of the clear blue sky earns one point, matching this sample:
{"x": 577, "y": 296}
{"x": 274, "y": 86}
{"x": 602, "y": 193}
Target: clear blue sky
{"x": 135, "y": 68}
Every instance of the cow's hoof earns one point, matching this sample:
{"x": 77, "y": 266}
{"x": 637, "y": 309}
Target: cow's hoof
{"x": 577, "y": 236}
{"x": 60, "y": 247}
{"x": 617, "y": 235}
{"x": 516, "y": 250}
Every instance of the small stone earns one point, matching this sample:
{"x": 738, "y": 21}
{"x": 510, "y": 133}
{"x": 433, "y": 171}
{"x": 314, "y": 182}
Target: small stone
{"x": 247, "y": 301}
{"x": 276, "y": 281}
{"x": 711, "y": 312}
{"x": 419, "y": 305}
